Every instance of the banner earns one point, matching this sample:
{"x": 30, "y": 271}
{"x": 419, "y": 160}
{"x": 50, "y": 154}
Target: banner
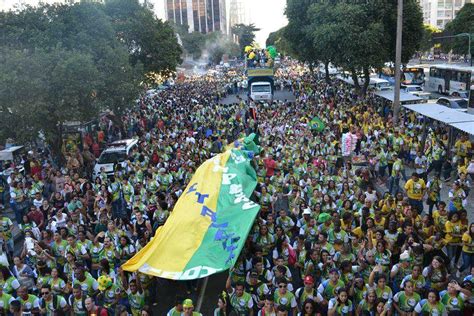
{"x": 209, "y": 224}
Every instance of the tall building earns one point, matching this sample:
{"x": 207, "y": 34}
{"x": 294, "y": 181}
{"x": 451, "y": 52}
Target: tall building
{"x": 237, "y": 13}
{"x": 439, "y": 12}
{"x": 203, "y": 16}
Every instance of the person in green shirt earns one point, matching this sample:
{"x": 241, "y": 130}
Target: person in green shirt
{"x": 188, "y": 308}
{"x": 77, "y": 301}
{"x": 454, "y": 297}
{"x": 284, "y": 297}
{"x": 8, "y": 282}
{"x": 240, "y": 300}
{"x": 177, "y": 310}
{"x": 431, "y": 305}
{"x": 29, "y": 302}
{"x": 134, "y": 291}
{"x": 5, "y": 300}
{"x": 88, "y": 284}
{"x": 405, "y": 301}
{"x": 51, "y": 303}
{"x": 328, "y": 287}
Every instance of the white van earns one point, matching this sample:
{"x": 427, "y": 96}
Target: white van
{"x": 380, "y": 84}
{"x": 116, "y": 152}
{"x": 261, "y": 91}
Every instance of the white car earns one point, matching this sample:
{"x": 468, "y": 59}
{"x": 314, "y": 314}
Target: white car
{"x": 412, "y": 88}
{"x": 115, "y": 153}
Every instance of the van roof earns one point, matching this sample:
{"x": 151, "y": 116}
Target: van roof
{"x": 121, "y": 144}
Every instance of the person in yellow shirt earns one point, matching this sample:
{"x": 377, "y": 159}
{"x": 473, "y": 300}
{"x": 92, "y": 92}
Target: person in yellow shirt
{"x": 440, "y": 217}
{"x": 454, "y": 231}
{"x": 463, "y": 147}
{"x": 415, "y": 188}
{"x": 467, "y": 249}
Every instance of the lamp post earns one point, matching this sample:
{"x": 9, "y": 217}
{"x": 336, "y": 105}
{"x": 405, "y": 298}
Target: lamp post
{"x": 398, "y": 61}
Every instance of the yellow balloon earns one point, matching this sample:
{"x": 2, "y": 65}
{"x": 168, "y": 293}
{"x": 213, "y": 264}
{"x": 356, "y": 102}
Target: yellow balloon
{"x": 248, "y": 49}
{"x": 252, "y": 55}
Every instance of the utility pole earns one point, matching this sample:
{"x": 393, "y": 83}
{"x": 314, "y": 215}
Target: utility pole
{"x": 398, "y": 61}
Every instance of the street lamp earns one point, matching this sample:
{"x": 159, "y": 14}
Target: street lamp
{"x": 460, "y": 35}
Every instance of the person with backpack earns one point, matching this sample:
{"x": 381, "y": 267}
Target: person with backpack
{"x": 93, "y": 309}
{"x": 77, "y": 301}
{"x": 51, "y": 303}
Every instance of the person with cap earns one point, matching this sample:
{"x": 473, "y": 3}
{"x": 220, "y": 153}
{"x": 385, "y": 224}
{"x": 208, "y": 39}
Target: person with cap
{"x": 324, "y": 219}
{"x": 177, "y": 310}
{"x": 307, "y": 292}
{"x": 188, "y": 308}
{"x": 400, "y": 270}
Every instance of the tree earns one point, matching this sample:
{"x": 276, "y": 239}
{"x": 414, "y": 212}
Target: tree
{"x": 427, "y": 41}
{"x": 279, "y": 40}
{"x": 150, "y": 41}
{"x": 355, "y": 35}
{"x": 463, "y": 23}
{"x": 296, "y": 33}
{"x": 67, "y": 63}
{"x": 193, "y": 43}
{"x": 245, "y": 33}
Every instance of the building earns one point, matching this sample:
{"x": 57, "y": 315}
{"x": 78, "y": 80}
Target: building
{"x": 439, "y": 12}
{"x": 203, "y": 16}
{"x": 237, "y": 13}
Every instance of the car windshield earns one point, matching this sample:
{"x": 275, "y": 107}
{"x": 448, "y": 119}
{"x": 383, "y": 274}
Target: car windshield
{"x": 112, "y": 157}
{"x": 261, "y": 88}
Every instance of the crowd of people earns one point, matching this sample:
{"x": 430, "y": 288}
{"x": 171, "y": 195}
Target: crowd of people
{"x": 327, "y": 240}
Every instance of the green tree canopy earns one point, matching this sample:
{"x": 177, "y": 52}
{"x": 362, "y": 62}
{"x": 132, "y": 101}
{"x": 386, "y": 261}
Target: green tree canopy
{"x": 245, "y": 33}
{"x": 463, "y": 23}
{"x": 355, "y": 35}
{"x": 67, "y": 63}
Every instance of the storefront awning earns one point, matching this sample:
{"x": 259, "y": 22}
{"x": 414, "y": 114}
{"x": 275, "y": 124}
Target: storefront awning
{"x": 455, "y": 118}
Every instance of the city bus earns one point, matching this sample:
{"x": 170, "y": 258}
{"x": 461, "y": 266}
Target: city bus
{"x": 410, "y": 75}
{"x": 451, "y": 79}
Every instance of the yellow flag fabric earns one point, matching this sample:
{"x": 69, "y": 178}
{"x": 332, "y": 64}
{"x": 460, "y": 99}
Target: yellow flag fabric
{"x": 209, "y": 224}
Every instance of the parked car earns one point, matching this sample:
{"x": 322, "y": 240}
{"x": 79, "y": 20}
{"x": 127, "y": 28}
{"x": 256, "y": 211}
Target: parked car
{"x": 460, "y": 94}
{"x": 453, "y": 103}
{"x": 412, "y": 88}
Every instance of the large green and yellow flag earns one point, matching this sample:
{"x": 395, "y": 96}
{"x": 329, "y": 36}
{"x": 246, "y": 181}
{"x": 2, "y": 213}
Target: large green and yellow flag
{"x": 209, "y": 224}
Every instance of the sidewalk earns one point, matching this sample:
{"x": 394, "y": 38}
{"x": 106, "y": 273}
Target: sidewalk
{"x": 383, "y": 187}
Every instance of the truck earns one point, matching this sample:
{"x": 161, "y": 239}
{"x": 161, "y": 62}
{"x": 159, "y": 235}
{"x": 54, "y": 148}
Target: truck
{"x": 261, "y": 84}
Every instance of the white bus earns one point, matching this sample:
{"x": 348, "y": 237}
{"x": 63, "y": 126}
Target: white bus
{"x": 450, "y": 79}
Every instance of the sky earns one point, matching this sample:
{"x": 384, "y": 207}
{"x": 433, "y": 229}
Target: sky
{"x": 268, "y": 15}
